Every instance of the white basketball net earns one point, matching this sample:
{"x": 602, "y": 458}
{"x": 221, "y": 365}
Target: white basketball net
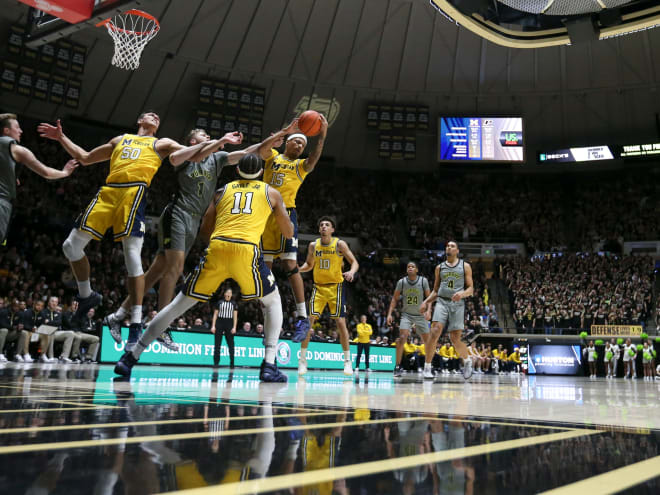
{"x": 131, "y": 31}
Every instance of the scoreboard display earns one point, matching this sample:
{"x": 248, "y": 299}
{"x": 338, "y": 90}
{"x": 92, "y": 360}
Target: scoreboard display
{"x": 488, "y": 139}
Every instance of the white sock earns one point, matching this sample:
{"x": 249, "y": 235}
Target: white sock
{"x": 270, "y": 354}
{"x": 303, "y": 355}
{"x": 138, "y": 349}
{"x": 136, "y": 314}
{"x": 301, "y": 309}
{"x": 272, "y": 324}
{"x": 347, "y": 355}
{"x": 176, "y": 308}
{"x": 427, "y": 366}
{"x": 84, "y": 288}
{"x": 120, "y": 314}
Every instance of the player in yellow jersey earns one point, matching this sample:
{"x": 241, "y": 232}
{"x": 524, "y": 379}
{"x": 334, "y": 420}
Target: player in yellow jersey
{"x": 326, "y": 257}
{"x": 119, "y": 205}
{"x": 239, "y": 215}
{"x": 286, "y": 173}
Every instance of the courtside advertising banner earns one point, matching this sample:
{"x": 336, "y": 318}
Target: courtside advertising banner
{"x": 196, "y": 349}
{"x": 554, "y": 359}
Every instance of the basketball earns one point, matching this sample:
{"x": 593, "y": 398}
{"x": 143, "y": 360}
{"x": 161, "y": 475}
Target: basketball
{"x": 309, "y": 123}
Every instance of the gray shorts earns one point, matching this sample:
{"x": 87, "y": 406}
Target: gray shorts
{"x": 421, "y": 325}
{"x": 5, "y": 218}
{"x": 450, "y": 314}
{"x": 177, "y": 229}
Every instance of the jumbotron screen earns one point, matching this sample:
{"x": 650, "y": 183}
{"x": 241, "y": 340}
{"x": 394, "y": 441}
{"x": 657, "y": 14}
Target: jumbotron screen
{"x": 488, "y": 139}
{"x": 554, "y": 359}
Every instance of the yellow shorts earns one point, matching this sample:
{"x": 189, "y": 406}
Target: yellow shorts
{"x": 331, "y": 295}
{"x": 230, "y": 258}
{"x": 120, "y": 207}
{"x": 273, "y": 243}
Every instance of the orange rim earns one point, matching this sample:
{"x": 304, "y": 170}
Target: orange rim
{"x": 111, "y": 25}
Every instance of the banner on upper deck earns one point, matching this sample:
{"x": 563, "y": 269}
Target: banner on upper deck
{"x": 631, "y": 330}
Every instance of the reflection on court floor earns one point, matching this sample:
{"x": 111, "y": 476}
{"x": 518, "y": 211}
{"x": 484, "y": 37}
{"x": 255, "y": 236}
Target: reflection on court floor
{"x": 75, "y": 430}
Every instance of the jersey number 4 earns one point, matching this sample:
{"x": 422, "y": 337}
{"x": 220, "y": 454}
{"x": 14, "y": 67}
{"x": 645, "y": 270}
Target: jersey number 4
{"x": 247, "y": 205}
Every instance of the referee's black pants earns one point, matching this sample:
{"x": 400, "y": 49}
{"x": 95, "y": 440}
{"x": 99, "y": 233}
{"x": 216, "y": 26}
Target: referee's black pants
{"x": 219, "y": 332}
{"x": 365, "y": 348}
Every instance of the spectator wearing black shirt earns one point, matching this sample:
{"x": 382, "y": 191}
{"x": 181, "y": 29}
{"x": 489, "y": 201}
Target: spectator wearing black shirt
{"x": 225, "y": 319}
{"x": 87, "y": 333}
{"x": 11, "y": 328}
{"x": 31, "y": 321}
{"x": 52, "y": 316}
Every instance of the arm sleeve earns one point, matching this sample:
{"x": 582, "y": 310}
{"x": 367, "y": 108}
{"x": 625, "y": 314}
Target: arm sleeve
{"x": 220, "y": 158}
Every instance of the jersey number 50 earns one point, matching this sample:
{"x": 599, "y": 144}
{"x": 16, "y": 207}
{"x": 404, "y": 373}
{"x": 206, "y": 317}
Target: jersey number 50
{"x": 130, "y": 153}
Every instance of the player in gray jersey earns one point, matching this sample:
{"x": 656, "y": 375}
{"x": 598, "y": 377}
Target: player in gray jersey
{"x": 12, "y": 153}
{"x": 413, "y": 289}
{"x": 179, "y": 222}
{"x": 453, "y": 283}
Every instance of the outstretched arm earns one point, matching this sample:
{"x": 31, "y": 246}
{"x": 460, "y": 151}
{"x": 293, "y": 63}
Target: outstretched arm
{"x": 276, "y": 139}
{"x": 27, "y": 158}
{"x": 234, "y": 157}
{"x": 99, "y": 154}
{"x": 314, "y": 156}
{"x": 348, "y": 254}
{"x": 200, "y": 151}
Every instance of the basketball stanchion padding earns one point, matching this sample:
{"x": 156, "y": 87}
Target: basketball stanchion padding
{"x": 131, "y": 31}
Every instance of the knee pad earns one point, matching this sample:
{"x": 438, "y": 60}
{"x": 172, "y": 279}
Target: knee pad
{"x": 74, "y": 245}
{"x": 291, "y": 272}
{"x": 133, "y": 255}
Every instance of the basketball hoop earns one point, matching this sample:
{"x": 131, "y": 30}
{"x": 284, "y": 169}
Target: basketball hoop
{"x": 131, "y": 31}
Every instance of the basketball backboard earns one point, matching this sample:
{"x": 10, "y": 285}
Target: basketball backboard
{"x": 46, "y": 27}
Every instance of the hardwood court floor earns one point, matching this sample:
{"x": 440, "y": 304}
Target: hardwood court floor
{"x": 72, "y": 429}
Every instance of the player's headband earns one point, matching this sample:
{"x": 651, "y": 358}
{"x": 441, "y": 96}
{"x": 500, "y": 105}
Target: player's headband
{"x": 249, "y": 176}
{"x": 297, "y": 135}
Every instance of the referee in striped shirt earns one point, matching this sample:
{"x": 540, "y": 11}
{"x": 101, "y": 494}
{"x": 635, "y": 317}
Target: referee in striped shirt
{"x": 225, "y": 319}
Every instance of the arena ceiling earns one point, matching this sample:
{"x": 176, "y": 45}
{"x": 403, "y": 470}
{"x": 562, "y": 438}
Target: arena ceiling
{"x": 346, "y": 53}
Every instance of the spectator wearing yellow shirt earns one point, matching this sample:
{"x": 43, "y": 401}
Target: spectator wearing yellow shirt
{"x": 505, "y": 364}
{"x": 448, "y": 358}
{"x": 420, "y": 353}
{"x": 364, "y": 332}
{"x": 514, "y": 361}
{"x": 497, "y": 364}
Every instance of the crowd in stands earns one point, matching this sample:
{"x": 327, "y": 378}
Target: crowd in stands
{"x": 609, "y": 212}
{"x": 566, "y": 292}
{"x": 496, "y": 208}
{"x": 574, "y": 291}
{"x": 348, "y": 204}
